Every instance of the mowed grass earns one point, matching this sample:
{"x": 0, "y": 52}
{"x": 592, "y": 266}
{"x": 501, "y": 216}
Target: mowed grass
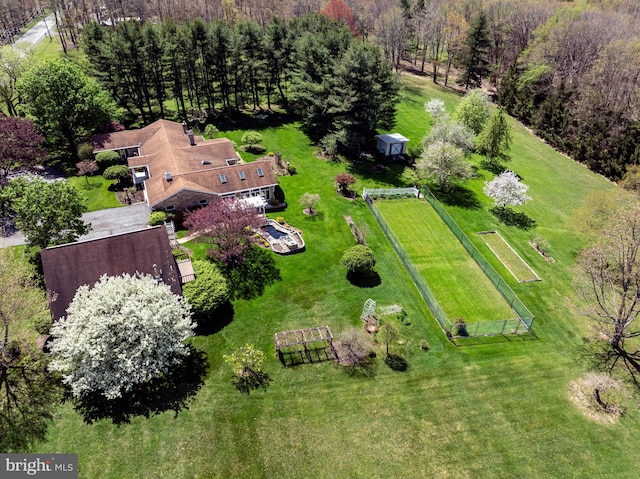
{"x": 455, "y": 279}
{"x": 507, "y": 255}
{"x": 97, "y": 191}
{"x": 496, "y": 409}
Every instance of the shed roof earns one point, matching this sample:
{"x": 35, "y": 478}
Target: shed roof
{"x": 67, "y": 267}
{"x": 393, "y": 138}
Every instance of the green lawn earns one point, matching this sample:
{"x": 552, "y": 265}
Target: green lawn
{"x": 97, "y": 192}
{"x": 498, "y": 409}
{"x": 453, "y": 276}
{"x": 509, "y": 257}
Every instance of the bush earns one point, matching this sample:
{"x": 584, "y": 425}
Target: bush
{"x": 292, "y": 170}
{"x": 116, "y": 172}
{"x": 106, "y": 159}
{"x": 252, "y": 137}
{"x": 157, "y": 218}
{"x": 281, "y": 220}
{"x": 359, "y": 259}
{"x": 42, "y": 324}
{"x": 211, "y": 131}
{"x": 208, "y": 291}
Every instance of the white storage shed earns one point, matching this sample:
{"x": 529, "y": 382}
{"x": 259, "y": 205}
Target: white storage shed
{"x": 392, "y": 144}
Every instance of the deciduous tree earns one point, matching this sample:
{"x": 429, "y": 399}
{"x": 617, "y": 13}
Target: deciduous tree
{"x": 226, "y": 225}
{"x": 122, "y": 332}
{"x": 494, "y": 140}
{"x": 473, "y": 110}
{"x": 506, "y": 189}
{"x": 344, "y": 181}
{"x": 49, "y": 212}
{"x": 64, "y": 103}
{"x": 443, "y": 163}
{"x": 310, "y": 200}
{"x": 87, "y": 168}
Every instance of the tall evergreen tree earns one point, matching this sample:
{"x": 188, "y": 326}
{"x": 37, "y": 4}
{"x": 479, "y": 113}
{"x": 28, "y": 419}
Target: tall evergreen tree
{"x": 474, "y": 62}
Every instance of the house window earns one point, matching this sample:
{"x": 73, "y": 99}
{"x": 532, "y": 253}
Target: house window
{"x": 260, "y": 172}
{"x": 242, "y": 175}
{"x": 204, "y": 202}
{"x": 170, "y": 208}
{"x": 223, "y": 178}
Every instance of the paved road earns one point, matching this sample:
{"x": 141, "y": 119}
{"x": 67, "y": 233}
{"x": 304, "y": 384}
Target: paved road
{"x": 38, "y": 32}
{"x": 103, "y": 223}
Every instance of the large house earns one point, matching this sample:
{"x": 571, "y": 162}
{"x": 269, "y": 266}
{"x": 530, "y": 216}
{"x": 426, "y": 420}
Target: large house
{"x": 147, "y": 251}
{"x": 180, "y": 170}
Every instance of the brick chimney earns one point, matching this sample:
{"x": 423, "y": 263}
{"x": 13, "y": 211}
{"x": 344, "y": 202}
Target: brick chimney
{"x": 192, "y": 140}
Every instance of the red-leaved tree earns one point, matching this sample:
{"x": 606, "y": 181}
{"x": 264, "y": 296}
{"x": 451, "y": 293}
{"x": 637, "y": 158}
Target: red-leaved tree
{"x": 20, "y": 145}
{"x": 340, "y": 12}
{"x": 227, "y": 225}
{"x": 344, "y": 181}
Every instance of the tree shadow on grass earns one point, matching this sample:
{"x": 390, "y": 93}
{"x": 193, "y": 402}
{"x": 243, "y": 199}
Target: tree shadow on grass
{"x": 216, "y": 321}
{"x": 513, "y": 218}
{"x": 365, "y": 368}
{"x": 170, "y": 392}
{"x": 495, "y": 168}
{"x": 458, "y": 195}
{"x": 369, "y": 279}
{"x": 249, "y": 280}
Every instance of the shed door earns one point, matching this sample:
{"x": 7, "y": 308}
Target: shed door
{"x": 396, "y": 149}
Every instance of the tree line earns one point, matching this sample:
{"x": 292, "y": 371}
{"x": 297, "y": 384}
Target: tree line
{"x": 312, "y": 66}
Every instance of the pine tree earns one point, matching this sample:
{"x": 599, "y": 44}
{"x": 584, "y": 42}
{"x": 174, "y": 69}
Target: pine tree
{"x": 474, "y": 62}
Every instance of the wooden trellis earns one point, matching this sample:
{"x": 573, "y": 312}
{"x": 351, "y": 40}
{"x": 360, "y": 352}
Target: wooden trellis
{"x": 307, "y": 345}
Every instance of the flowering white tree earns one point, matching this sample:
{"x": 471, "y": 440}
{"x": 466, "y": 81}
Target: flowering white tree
{"x": 506, "y": 189}
{"x": 122, "y": 332}
{"x": 443, "y": 163}
{"x": 435, "y": 107}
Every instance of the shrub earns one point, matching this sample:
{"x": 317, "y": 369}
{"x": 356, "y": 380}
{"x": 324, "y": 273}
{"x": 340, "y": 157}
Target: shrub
{"x": 292, "y": 170}
{"x": 359, "y": 259}
{"x": 116, "y": 172}
{"x": 157, "y": 218}
{"x": 42, "y": 324}
{"x": 106, "y": 159}
{"x": 281, "y": 220}
{"x": 208, "y": 291}
{"x": 211, "y": 131}
{"x": 252, "y": 137}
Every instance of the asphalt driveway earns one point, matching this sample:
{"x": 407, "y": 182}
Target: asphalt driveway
{"x": 103, "y": 223}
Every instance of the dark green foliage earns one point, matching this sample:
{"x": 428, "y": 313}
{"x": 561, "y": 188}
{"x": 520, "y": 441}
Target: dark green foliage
{"x": 106, "y": 159}
{"x": 475, "y": 61}
{"x": 249, "y": 279}
{"x": 494, "y": 141}
{"x": 460, "y": 327}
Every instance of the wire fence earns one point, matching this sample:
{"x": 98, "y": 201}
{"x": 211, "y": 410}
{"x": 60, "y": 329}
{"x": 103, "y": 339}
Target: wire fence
{"x": 524, "y": 319}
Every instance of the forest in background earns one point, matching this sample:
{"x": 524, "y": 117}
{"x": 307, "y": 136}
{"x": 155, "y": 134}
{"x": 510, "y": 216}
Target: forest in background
{"x": 569, "y": 70}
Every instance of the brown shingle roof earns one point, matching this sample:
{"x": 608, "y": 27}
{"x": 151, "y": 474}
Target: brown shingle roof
{"x": 166, "y": 148}
{"x": 70, "y": 266}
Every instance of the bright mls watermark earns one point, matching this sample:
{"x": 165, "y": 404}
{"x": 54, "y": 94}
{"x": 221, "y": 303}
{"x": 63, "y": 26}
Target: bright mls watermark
{"x": 49, "y": 466}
